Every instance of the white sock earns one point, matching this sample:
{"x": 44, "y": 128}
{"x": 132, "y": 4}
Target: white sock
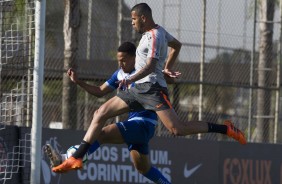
{"x": 64, "y": 157}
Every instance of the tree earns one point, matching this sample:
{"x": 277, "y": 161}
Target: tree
{"x": 71, "y": 25}
{"x": 266, "y": 10}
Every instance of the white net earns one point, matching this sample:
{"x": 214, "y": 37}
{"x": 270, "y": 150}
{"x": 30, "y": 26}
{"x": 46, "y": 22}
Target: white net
{"x": 11, "y": 162}
{"x": 16, "y": 65}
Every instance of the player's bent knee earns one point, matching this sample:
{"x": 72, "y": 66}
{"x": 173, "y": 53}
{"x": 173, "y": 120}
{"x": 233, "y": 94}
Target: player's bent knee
{"x": 100, "y": 114}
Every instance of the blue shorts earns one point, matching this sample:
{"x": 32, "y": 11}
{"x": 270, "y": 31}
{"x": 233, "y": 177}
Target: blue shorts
{"x": 137, "y": 134}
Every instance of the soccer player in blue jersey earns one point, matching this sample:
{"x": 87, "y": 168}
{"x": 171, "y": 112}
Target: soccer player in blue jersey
{"x": 150, "y": 89}
{"x": 136, "y": 131}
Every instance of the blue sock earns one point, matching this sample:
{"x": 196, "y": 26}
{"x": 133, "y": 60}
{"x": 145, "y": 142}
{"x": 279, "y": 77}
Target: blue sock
{"x": 93, "y": 147}
{"x": 156, "y": 176}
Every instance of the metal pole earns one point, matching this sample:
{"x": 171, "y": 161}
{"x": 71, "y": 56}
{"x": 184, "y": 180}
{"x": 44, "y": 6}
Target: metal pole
{"x": 1, "y": 24}
{"x": 30, "y": 33}
{"x": 278, "y": 74}
{"x": 119, "y": 30}
{"x": 218, "y": 26}
{"x": 36, "y": 130}
{"x": 119, "y": 22}
{"x": 252, "y": 72}
{"x": 89, "y": 28}
{"x": 179, "y": 19}
{"x": 202, "y": 62}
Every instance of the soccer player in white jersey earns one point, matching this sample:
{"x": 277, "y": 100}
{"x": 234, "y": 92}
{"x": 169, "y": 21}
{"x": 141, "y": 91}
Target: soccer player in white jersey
{"x": 136, "y": 131}
{"x": 150, "y": 89}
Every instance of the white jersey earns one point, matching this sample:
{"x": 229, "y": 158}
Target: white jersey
{"x": 153, "y": 44}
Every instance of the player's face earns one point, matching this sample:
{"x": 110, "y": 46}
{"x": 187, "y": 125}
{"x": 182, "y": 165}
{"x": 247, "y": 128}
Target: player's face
{"x": 126, "y": 62}
{"x": 137, "y": 22}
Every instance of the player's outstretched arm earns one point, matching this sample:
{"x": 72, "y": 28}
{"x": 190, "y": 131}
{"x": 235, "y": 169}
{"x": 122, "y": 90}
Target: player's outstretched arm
{"x": 97, "y": 91}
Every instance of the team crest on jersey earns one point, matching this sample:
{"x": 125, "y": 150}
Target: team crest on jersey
{"x": 149, "y": 36}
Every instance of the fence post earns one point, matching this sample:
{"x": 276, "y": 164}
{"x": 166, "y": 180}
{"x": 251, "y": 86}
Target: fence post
{"x": 277, "y": 101}
{"x": 252, "y": 72}
{"x": 36, "y": 130}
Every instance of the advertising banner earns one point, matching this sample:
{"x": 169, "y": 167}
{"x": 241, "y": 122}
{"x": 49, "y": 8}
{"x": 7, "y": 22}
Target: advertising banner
{"x": 180, "y": 161}
{"x": 8, "y": 151}
{"x": 250, "y": 164}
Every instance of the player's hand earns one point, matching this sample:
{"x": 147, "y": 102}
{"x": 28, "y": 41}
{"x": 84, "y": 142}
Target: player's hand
{"x": 172, "y": 74}
{"x": 124, "y": 83}
{"x": 72, "y": 74}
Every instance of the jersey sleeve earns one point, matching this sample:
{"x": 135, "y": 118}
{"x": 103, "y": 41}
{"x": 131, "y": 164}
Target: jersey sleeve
{"x": 154, "y": 40}
{"x": 153, "y": 45}
{"x": 112, "y": 82}
{"x": 169, "y": 37}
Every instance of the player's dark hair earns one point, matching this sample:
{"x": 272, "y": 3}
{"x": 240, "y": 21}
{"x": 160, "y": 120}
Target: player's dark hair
{"x": 128, "y": 48}
{"x": 142, "y": 9}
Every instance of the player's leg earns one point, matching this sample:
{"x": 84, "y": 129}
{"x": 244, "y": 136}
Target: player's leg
{"x": 142, "y": 163}
{"x": 155, "y": 97}
{"x": 109, "y": 134}
{"x": 172, "y": 122}
{"x": 137, "y": 134}
{"x": 177, "y": 127}
{"x": 113, "y": 107}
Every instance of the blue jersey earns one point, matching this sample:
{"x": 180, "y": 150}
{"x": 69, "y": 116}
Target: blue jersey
{"x": 147, "y": 115}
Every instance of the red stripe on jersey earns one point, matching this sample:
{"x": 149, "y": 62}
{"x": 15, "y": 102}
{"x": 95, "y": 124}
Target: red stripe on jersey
{"x": 154, "y": 42}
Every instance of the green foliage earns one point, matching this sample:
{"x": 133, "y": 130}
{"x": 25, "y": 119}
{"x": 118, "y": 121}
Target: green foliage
{"x": 237, "y": 56}
{"x": 53, "y": 89}
{"x": 15, "y": 15}
{"x": 9, "y": 85}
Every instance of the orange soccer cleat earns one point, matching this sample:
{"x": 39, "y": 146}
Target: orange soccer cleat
{"x": 68, "y": 165}
{"x": 234, "y": 132}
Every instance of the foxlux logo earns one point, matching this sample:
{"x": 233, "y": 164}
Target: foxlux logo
{"x": 189, "y": 172}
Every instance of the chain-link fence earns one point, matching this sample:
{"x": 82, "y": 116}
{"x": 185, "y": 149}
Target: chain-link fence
{"x": 229, "y": 61}
{"x": 230, "y": 54}
{"x": 230, "y": 65}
